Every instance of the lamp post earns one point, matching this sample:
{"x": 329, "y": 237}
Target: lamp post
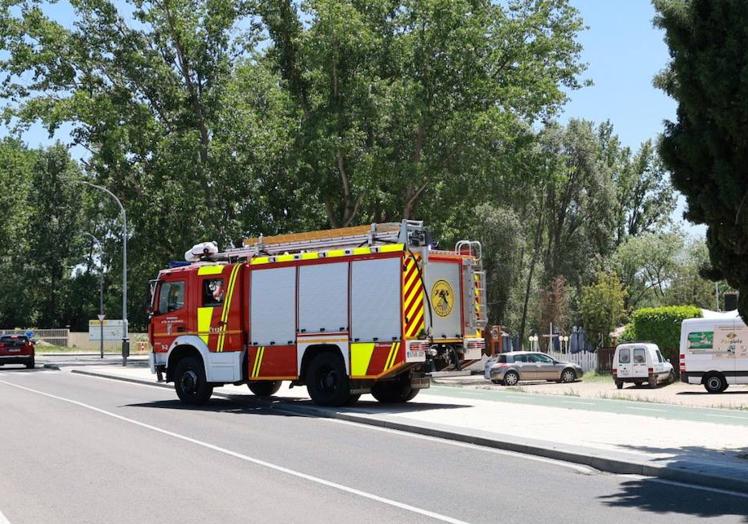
{"x": 125, "y": 334}
{"x": 101, "y": 298}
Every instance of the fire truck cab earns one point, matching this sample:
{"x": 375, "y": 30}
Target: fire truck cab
{"x": 367, "y": 309}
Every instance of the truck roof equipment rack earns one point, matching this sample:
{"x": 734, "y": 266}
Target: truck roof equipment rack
{"x": 408, "y": 232}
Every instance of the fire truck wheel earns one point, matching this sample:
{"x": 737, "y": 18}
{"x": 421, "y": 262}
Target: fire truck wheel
{"x": 395, "y": 391}
{"x": 352, "y": 400}
{"x": 190, "y": 383}
{"x": 265, "y": 388}
{"x": 327, "y": 380}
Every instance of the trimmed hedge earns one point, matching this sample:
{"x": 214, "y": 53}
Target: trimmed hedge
{"x": 661, "y": 325}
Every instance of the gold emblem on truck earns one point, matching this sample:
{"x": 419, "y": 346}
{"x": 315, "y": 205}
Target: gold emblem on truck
{"x": 442, "y": 298}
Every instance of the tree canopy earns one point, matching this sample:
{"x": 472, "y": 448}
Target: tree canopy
{"x": 706, "y": 148}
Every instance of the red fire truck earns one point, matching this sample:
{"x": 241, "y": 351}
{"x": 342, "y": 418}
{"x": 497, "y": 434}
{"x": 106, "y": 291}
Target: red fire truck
{"x": 367, "y": 309}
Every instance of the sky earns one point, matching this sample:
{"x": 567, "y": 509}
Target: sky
{"x": 624, "y": 52}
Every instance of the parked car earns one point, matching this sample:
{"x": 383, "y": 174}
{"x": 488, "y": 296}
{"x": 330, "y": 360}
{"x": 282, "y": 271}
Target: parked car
{"x": 510, "y": 368}
{"x": 714, "y": 352}
{"x": 16, "y": 349}
{"x": 641, "y": 362}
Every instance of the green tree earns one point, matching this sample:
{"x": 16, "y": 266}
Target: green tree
{"x": 705, "y": 148}
{"x": 403, "y": 99}
{"x": 602, "y": 307}
{"x": 647, "y": 263}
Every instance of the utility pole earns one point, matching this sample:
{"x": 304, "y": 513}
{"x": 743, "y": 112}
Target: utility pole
{"x": 125, "y": 334}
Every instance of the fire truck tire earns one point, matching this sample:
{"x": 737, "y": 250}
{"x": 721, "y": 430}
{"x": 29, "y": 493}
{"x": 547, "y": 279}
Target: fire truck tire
{"x": 393, "y": 392}
{"x": 327, "y": 381}
{"x": 352, "y": 400}
{"x": 265, "y": 388}
{"x": 190, "y": 383}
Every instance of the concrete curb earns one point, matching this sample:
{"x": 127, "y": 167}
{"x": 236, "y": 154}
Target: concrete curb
{"x": 588, "y": 457}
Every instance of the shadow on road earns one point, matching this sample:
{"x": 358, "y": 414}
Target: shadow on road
{"x": 250, "y": 404}
{"x": 658, "y": 497}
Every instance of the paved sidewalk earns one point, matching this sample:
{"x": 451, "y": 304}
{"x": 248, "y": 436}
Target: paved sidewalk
{"x": 712, "y": 453}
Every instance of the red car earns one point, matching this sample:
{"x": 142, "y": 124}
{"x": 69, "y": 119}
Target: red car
{"x": 16, "y": 349}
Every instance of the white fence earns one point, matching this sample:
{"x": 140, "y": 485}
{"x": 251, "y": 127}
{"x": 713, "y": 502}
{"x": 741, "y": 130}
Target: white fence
{"x": 587, "y": 361}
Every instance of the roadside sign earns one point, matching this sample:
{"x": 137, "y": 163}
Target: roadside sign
{"x": 113, "y": 330}
{"x": 101, "y": 316}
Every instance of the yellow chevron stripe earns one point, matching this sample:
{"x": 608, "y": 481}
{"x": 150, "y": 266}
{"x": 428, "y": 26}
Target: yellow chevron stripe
{"x": 414, "y": 323}
{"x": 227, "y": 307}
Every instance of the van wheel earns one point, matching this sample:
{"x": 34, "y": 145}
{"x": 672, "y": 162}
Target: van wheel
{"x": 327, "y": 381}
{"x": 265, "y": 388}
{"x": 652, "y": 382}
{"x": 190, "y": 383}
{"x": 394, "y": 391}
{"x": 715, "y": 383}
{"x": 638, "y": 383}
{"x": 619, "y": 384}
{"x": 671, "y": 377}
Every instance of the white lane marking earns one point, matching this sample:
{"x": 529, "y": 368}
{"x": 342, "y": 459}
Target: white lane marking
{"x": 690, "y": 486}
{"x": 247, "y": 458}
{"x": 580, "y": 469}
{"x": 3, "y": 519}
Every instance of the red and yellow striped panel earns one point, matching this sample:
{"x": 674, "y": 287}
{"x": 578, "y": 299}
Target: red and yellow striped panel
{"x": 373, "y": 359}
{"x": 272, "y": 362}
{"x": 413, "y": 311}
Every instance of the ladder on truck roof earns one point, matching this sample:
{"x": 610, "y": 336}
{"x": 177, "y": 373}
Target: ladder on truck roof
{"x": 408, "y": 232}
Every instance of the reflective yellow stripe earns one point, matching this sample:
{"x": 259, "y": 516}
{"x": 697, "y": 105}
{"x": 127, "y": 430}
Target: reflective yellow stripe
{"x": 362, "y": 251}
{"x": 335, "y": 253}
{"x": 394, "y": 349}
{"x": 259, "y": 260}
{"x": 284, "y": 258}
{"x": 390, "y": 248}
{"x": 309, "y": 256}
{"x": 204, "y": 314}
{"x": 209, "y": 270}
{"x": 258, "y": 361}
{"x": 360, "y": 357}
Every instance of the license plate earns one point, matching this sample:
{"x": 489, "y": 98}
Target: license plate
{"x": 14, "y": 350}
{"x": 415, "y": 354}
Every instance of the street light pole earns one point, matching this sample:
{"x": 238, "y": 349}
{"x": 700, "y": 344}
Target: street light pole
{"x": 125, "y": 334}
{"x": 101, "y": 298}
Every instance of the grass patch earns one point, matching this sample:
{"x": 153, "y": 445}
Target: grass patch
{"x": 571, "y": 393}
{"x": 594, "y": 376}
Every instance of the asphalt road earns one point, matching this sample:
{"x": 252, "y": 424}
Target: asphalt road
{"x": 77, "y": 449}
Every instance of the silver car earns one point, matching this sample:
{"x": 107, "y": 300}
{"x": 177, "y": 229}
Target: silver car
{"x": 510, "y": 368}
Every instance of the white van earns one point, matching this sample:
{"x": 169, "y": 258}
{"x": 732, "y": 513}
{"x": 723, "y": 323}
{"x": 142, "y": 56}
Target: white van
{"x": 640, "y": 362}
{"x": 714, "y": 351}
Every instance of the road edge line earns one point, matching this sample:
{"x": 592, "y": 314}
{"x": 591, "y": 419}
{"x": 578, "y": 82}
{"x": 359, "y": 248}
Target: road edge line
{"x": 608, "y": 465}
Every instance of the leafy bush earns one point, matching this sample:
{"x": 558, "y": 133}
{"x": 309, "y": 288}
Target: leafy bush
{"x": 628, "y": 335}
{"x": 661, "y": 325}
